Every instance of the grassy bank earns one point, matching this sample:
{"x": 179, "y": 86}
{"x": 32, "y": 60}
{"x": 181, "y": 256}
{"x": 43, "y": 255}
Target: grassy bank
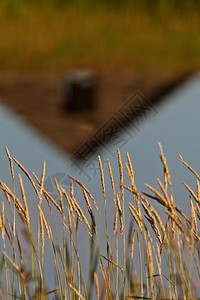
{"x": 166, "y": 249}
{"x": 56, "y": 35}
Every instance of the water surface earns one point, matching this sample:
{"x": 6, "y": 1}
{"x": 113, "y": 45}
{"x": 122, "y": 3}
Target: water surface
{"x": 175, "y": 123}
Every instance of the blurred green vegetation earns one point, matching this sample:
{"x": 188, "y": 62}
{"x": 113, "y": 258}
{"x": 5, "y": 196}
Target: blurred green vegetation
{"x": 60, "y": 34}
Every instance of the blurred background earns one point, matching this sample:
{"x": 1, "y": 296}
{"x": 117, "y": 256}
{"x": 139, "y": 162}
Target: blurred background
{"x": 129, "y": 45}
{"x": 56, "y": 35}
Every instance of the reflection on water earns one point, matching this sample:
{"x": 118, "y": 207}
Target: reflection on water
{"x": 176, "y": 125}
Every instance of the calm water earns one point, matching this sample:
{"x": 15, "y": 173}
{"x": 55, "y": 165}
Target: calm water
{"x": 175, "y": 123}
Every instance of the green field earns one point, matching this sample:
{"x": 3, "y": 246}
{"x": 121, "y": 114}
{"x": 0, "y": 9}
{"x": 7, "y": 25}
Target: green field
{"x": 55, "y": 35}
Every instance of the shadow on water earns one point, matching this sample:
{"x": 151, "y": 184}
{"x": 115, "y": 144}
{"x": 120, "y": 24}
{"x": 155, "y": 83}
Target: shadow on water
{"x": 134, "y": 109}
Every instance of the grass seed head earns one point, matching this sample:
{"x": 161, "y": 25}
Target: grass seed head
{"x": 11, "y": 164}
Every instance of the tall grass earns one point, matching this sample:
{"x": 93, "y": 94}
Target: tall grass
{"x": 167, "y": 249}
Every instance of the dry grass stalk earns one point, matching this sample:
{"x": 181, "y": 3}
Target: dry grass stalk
{"x": 42, "y": 233}
{"x": 87, "y": 191}
{"x": 152, "y": 221}
{"x": 178, "y": 225}
{"x": 48, "y": 202}
{"x": 77, "y": 224}
{"x": 127, "y": 188}
{"x": 90, "y": 211}
{"x": 48, "y": 230}
{"x": 47, "y": 195}
{"x": 137, "y": 220}
{"x": 29, "y": 177}
{"x": 121, "y": 174}
{"x": 71, "y": 189}
{"x": 4, "y": 187}
{"x": 159, "y": 257}
{"x": 42, "y": 177}
{"x": 72, "y": 206}
{"x": 3, "y": 221}
{"x": 193, "y": 215}
{"x": 192, "y": 226}
{"x": 81, "y": 215}
{"x": 112, "y": 262}
{"x": 196, "y": 235}
{"x": 16, "y": 267}
{"x": 134, "y": 190}
{"x": 16, "y": 201}
{"x": 135, "y": 210}
{"x": 198, "y": 192}
{"x": 19, "y": 245}
{"x": 7, "y": 197}
{"x": 1, "y": 226}
{"x": 10, "y": 232}
{"x": 11, "y": 164}
{"x": 9, "y": 237}
{"x": 102, "y": 180}
{"x": 76, "y": 291}
{"x": 164, "y": 203}
{"x": 165, "y": 181}
{"x": 24, "y": 277}
{"x": 179, "y": 219}
{"x": 111, "y": 178}
{"x": 37, "y": 179}
{"x": 131, "y": 170}
{"x": 164, "y": 191}
{"x": 140, "y": 219}
{"x": 132, "y": 245}
{"x": 60, "y": 195}
{"x": 115, "y": 219}
{"x": 154, "y": 212}
{"x": 182, "y": 214}
{"x": 172, "y": 211}
{"x": 188, "y": 166}
{"x": 197, "y": 211}
{"x": 69, "y": 202}
{"x": 162, "y": 199}
{"x": 24, "y": 200}
{"x": 65, "y": 225}
{"x": 164, "y": 235}
{"x": 191, "y": 192}
{"x": 150, "y": 263}
{"x": 96, "y": 285}
{"x": 70, "y": 227}
{"x": 166, "y": 170}
{"x": 75, "y": 206}
{"x": 120, "y": 214}
{"x": 131, "y": 175}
